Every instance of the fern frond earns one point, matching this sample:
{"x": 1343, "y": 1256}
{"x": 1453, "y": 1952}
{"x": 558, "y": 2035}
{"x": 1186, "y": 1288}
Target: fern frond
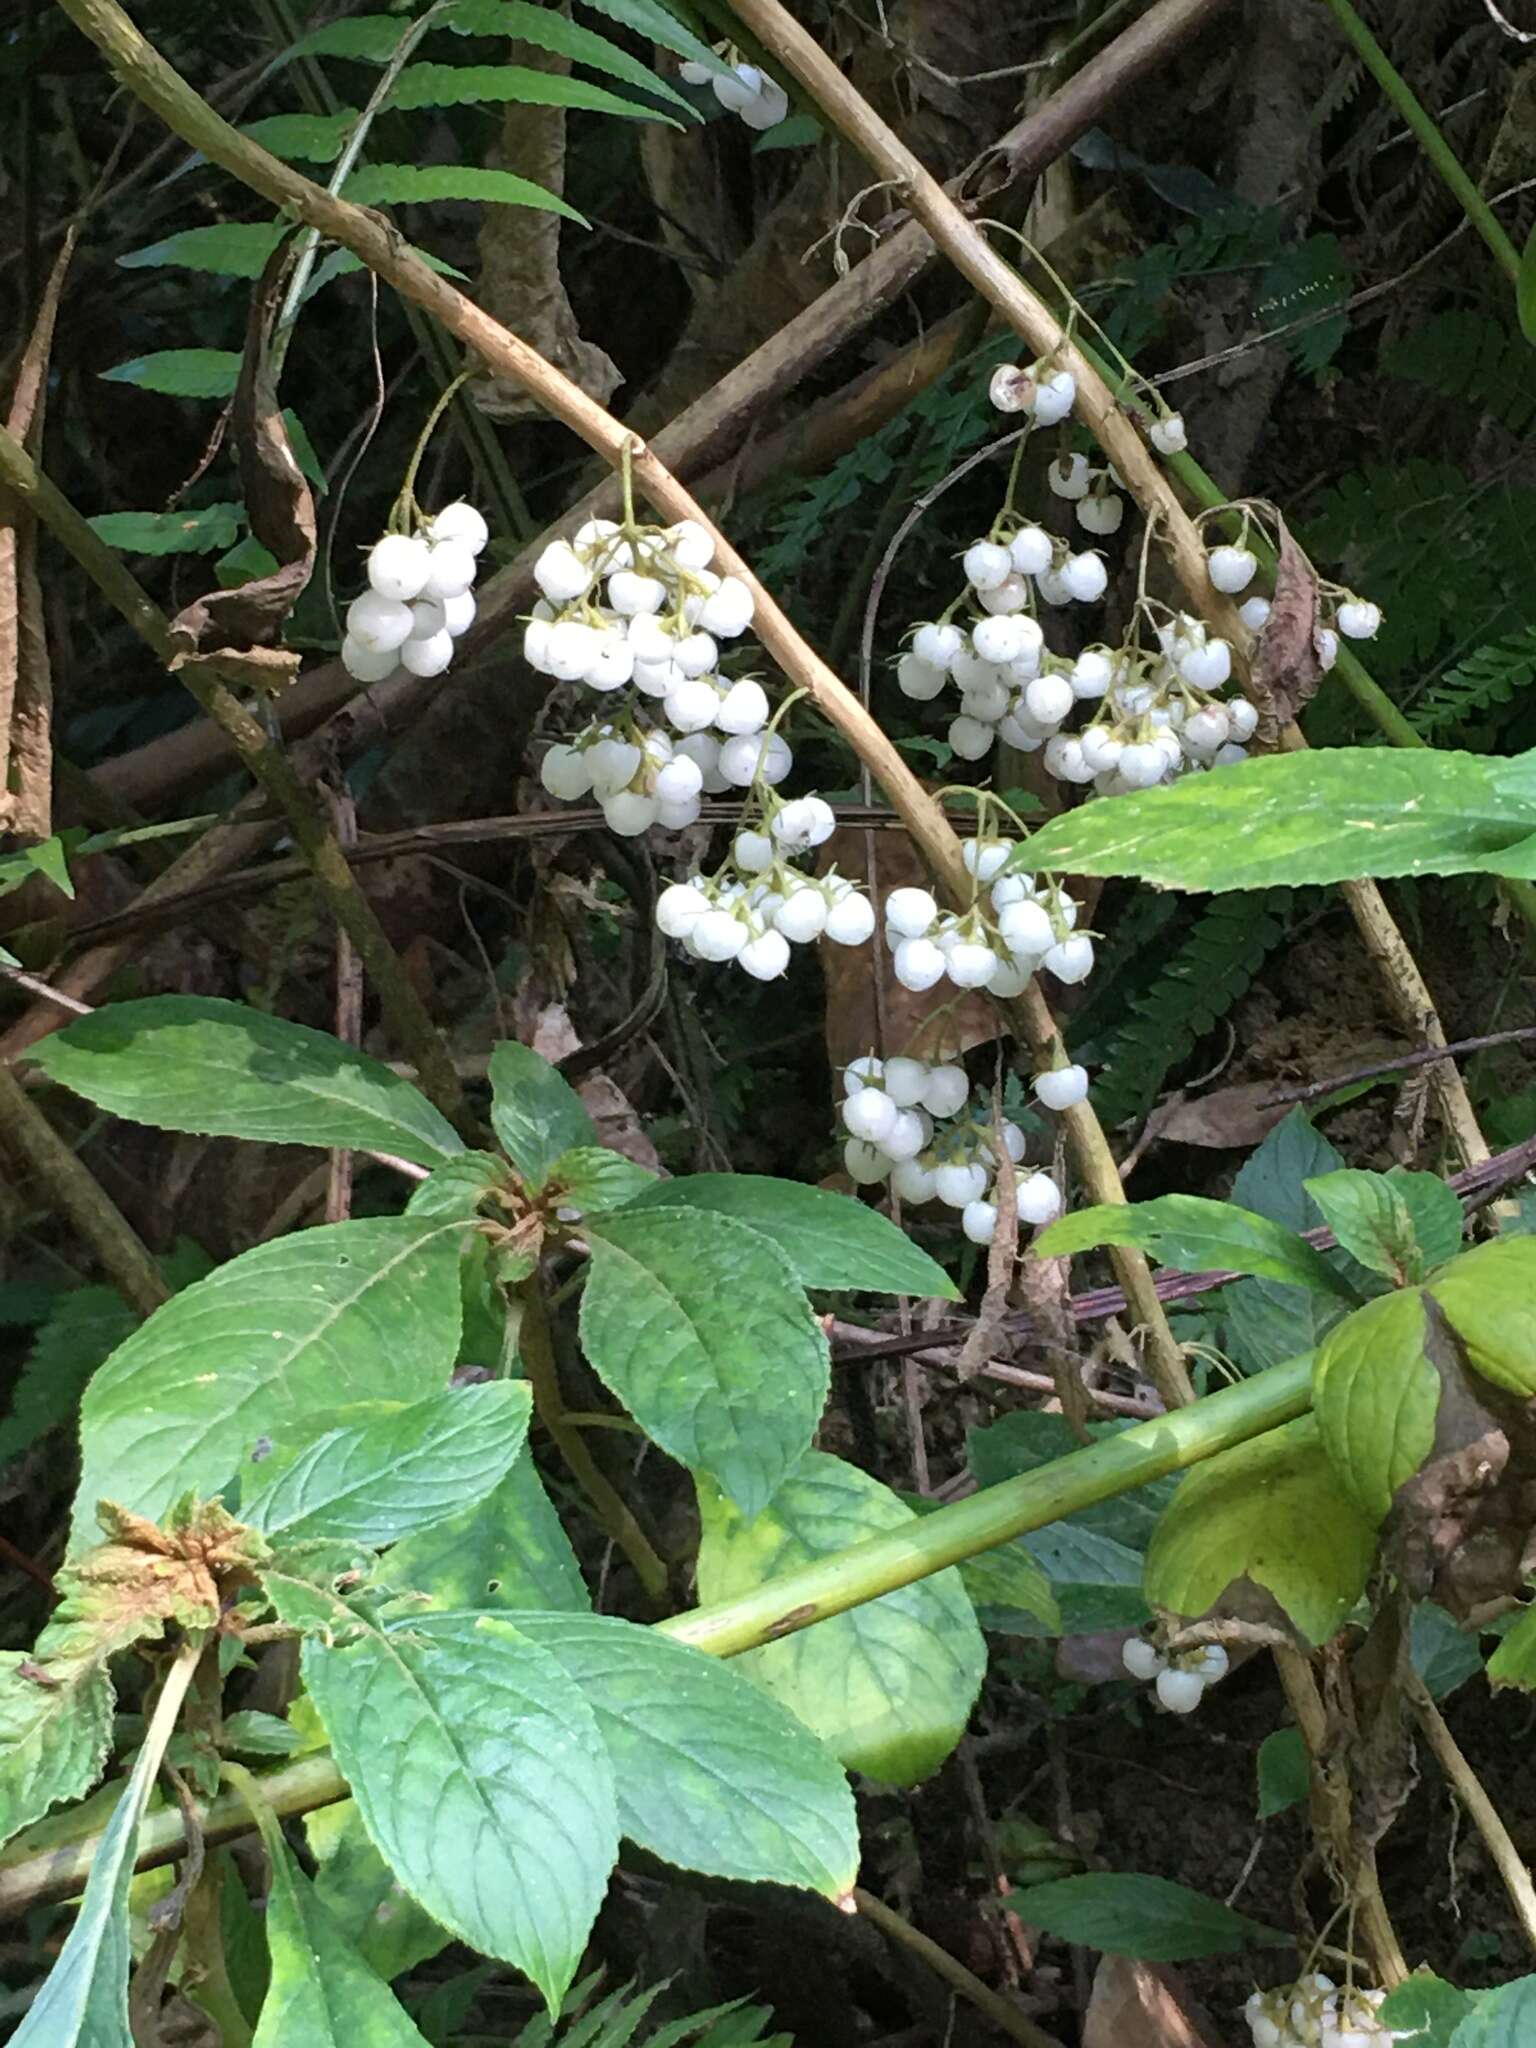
{"x": 1469, "y": 356}
{"x": 548, "y": 30}
{"x": 1212, "y": 970}
{"x": 1488, "y": 677}
{"x": 303, "y": 138}
{"x": 465, "y": 85}
{"x": 231, "y": 249}
{"x": 372, "y": 38}
{"x": 658, "y": 24}
{"x": 180, "y": 372}
{"x": 403, "y": 184}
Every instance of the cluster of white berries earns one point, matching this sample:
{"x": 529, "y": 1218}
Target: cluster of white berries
{"x": 744, "y": 89}
{"x": 759, "y": 904}
{"x": 910, "y": 1122}
{"x": 1232, "y": 565}
{"x": 1179, "y": 1680}
{"x": 1314, "y": 2013}
{"x": 420, "y": 597}
{"x": 1025, "y": 925}
{"x": 637, "y": 614}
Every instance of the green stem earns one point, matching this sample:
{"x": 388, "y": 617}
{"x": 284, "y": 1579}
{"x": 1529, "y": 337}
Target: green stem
{"x": 1427, "y": 131}
{"x": 1114, "y": 1465}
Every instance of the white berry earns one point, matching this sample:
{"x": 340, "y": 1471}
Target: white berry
{"x": 398, "y": 566}
{"x": 1062, "y": 1086}
{"x": 1231, "y": 568}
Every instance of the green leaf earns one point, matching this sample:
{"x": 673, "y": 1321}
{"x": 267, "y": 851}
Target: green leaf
{"x": 205, "y": 531}
{"x": 382, "y": 1480}
{"x": 84, "y": 2000}
{"x": 308, "y": 138}
{"x": 1149, "y": 1918}
{"x": 250, "y": 1733}
{"x": 458, "y": 1186}
{"x": 1444, "y": 1654}
{"x": 181, "y": 372}
{"x": 55, "y": 1733}
{"x": 509, "y": 1552}
{"x": 699, "y": 1326}
{"x": 1195, "y": 1235}
{"x": 1367, "y": 1214}
{"x": 1489, "y": 1296}
{"x": 1010, "y": 1591}
{"x": 1329, "y": 815}
{"x": 373, "y": 38}
{"x": 50, "y": 860}
{"x": 228, "y": 249}
{"x": 1425, "y": 2010}
{"x": 1285, "y": 1776}
{"x": 649, "y": 18}
{"x": 460, "y": 85}
{"x": 1376, "y": 1395}
{"x": 222, "y": 1069}
{"x": 261, "y": 1349}
{"x": 590, "y": 1178}
{"x": 367, "y": 1901}
{"x": 712, "y": 1774}
{"x": 418, "y": 184}
{"x": 1270, "y": 1511}
{"x": 547, "y": 30}
{"x": 1437, "y": 1216}
{"x": 797, "y": 131}
{"x": 832, "y": 1241}
{"x": 322, "y": 1992}
{"x": 1525, "y": 289}
{"x": 535, "y": 1112}
{"x": 1514, "y": 1661}
{"x": 1269, "y": 1322}
{"x": 481, "y": 1777}
{"x": 887, "y": 1686}
{"x": 1505, "y": 2018}
{"x": 83, "y": 1327}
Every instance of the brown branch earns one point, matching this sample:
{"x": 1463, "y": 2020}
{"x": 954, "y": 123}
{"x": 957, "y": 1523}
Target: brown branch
{"x": 1003, "y": 2014}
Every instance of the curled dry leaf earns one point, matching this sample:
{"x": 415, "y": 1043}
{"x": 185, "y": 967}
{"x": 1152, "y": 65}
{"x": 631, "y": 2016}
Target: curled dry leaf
{"x": 1228, "y": 1117}
{"x": 1286, "y": 670}
{"x": 279, "y": 505}
{"x": 1143, "y": 2005}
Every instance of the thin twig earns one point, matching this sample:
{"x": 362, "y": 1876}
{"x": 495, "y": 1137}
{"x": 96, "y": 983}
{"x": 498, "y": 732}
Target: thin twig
{"x": 1000, "y": 2011}
{"x": 1497, "y": 1840}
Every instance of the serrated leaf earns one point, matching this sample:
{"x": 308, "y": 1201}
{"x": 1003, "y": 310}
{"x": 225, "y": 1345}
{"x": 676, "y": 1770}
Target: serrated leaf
{"x": 55, "y": 1732}
{"x": 458, "y": 1186}
{"x": 381, "y": 1480}
{"x": 1328, "y": 815}
{"x": 251, "y": 1733}
{"x": 1375, "y": 1395}
{"x": 306, "y": 138}
{"x": 367, "y": 1901}
{"x": 1424, "y": 2010}
{"x": 1195, "y": 1235}
{"x": 1489, "y": 1297}
{"x": 887, "y": 1686}
{"x": 712, "y": 1774}
{"x": 590, "y": 1178}
{"x": 548, "y": 30}
{"x": 1437, "y": 1216}
{"x": 1514, "y": 1661}
{"x": 831, "y": 1240}
{"x": 1269, "y": 1322}
{"x": 649, "y": 18}
{"x": 1149, "y": 1918}
{"x": 201, "y": 532}
{"x": 1444, "y": 1654}
{"x": 82, "y": 1328}
{"x": 1367, "y": 1214}
{"x": 321, "y": 1991}
{"x": 459, "y": 85}
{"x": 419, "y": 184}
{"x": 509, "y": 1552}
{"x": 222, "y": 1069}
{"x": 228, "y": 249}
{"x": 1270, "y": 1511}
{"x": 1504, "y": 2018}
{"x": 180, "y": 372}
{"x": 481, "y": 1777}
{"x": 282, "y": 1335}
{"x": 1285, "y": 1774}
{"x": 699, "y": 1326}
{"x": 535, "y": 1112}
{"x": 373, "y": 38}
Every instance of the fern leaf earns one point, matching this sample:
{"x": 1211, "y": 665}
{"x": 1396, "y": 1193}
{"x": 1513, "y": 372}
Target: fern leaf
{"x": 462, "y": 85}
{"x": 1469, "y": 356}
{"x": 1211, "y": 971}
{"x": 209, "y": 530}
{"x": 547, "y": 30}
{"x": 1490, "y": 676}
{"x": 658, "y": 24}
{"x": 231, "y": 249}
{"x": 372, "y": 38}
{"x": 180, "y": 372}
{"x": 303, "y": 138}
{"x": 405, "y": 184}
{"x": 82, "y": 1329}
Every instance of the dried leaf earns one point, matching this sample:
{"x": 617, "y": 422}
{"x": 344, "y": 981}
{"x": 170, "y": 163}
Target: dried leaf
{"x": 1143, "y": 2005}
{"x": 860, "y": 1002}
{"x": 554, "y": 1038}
{"x": 1228, "y": 1117}
{"x": 1286, "y": 670}
{"x": 278, "y": 503}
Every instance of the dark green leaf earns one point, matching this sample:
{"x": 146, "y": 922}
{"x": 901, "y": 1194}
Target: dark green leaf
{"x": 1514, "y": 1661}
{"x": 1425, "y": 2010}
{"x": 699, "y": 1326}
{"x": 458, "y": 85}
{"x": 203, "y": 532}
{"x": 535, "y": 1112}
{"x": 372, "y": 38}
{"x": 367, "y": 1901}
{"x": 510, "y": 1551}
{"x": 181, "y": 372}
{"x": 831, "y": 1240}
{"x": 417, "y": 184}
{"x": 1149, "y": 1918}
{"x": 1489, "y": 1296}
{"x": 1445, "y": 1655}
{"x": 658, "y": 24}
{"x": 1196, "y": 1236}
{"x": 1285, "y": 1776}
{"x": 548, "y": 30}
{"x": 1437, "y": 1215}
{"x": 309, "y": 138}
{"x": 1269, "y": 1322}
{"x": 590, "y": 1178}
{"x": 458, "y": 1186}
{"x": 197, "y": 1063}
{"x": 1367, "y": 1214}
{"x": 249, "y": 1733}
{"x": 1525, "y": 290}
{"x": 82, "y": 1329}
{"x": 799, "y": 131}
{"x": 1505, "y": 2018}
{"x": 228, "y": 249}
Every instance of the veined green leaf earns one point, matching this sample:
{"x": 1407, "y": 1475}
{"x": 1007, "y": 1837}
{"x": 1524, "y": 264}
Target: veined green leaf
{"x": 202, "y": 532}
{"x": 590, "y": 1178}
{"x": 548, "y": 30}
{"x": 1197, "y": 1236}
{"x": 1425, "y": 2011}
{"x": 658, "y": 24}
{"x": 459, "y": 85}
{"x": 198, "y": 1063}
{"x": 307, "y": 138}
{"x": 1489, "y": 1297}
{"x": 1502, "y": 2018}
{"x": 366, "y": 1900}
{"x": 407, "y": 184}
{"x": 1514, "y": 1661}
{"x": 1369, "y": 1214}
{"x": 1150, "y": 1918}
{"x": 373, "y": 38}
{"x": 181, "y": 372}
{"x": 510, "y": 1551}
{"x": 535, "y": 1112}
{"x": 228, "y": 249}
{"x": 1375, "y": 1396}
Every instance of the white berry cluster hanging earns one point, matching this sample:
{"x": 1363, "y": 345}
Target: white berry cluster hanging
{"x": 744, "y": 89}
{"x": 420, "y": 596}
{"x": 1022, "y": 924}
{"x": 1315, "y": 2013}
{"x": 1180, "y": 1678}
{"x": 1233, "y": 564}
{"x": 637, "y": 615}
{"x": 911, "y": 1122}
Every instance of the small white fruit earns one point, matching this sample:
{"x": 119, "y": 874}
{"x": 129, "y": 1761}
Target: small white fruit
{"x": 398, "y": 566}
{"x": 978, "y": 1220}
{"x": 1231, "y": 569}
{"x": 1062, "y": 1087}
{"x": 1179, "y": 1691}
